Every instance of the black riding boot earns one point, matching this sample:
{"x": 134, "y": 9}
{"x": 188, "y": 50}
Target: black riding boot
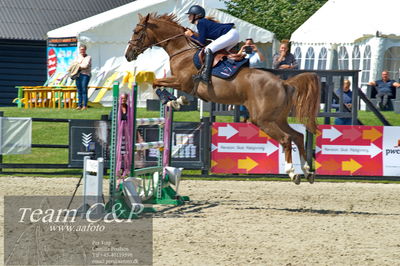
{"x": 205, "y": 74}
{"x": 165, "y": 96}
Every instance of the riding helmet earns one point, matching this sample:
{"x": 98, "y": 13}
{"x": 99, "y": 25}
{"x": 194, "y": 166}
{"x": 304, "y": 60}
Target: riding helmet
{"x": 197, "y": 10}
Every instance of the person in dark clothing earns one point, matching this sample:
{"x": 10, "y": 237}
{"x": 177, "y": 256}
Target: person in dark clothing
{"x": 385, "y": 89}
{"x": 124, "y": 106}
{"x": 347, "y": 101}
{"x": 124, "y": 117}
{"x": 224, "y": 36}
{"x": 284, "y": 59}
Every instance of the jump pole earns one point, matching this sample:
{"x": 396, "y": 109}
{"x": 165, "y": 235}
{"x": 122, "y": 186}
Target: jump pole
{"x": 164, "y": 193}
{"x": 156, "y": 188}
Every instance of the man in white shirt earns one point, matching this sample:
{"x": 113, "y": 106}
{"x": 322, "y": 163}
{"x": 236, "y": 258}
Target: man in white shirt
{"x": 256, "y": 60}
{"x": 252, "y": 52}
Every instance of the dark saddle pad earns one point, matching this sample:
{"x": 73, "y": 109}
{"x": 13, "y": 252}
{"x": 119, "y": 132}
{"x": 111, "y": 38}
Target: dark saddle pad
{"x": 226, "y": 68}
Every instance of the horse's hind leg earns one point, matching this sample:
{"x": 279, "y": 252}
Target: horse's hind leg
{"x": 298, "y": 139}
{"x": 275, "y": 132}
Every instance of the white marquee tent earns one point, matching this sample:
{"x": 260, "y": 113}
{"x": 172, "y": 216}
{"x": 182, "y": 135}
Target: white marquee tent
{"x": 106, "y": 37}
{"x": 351, "y": 34}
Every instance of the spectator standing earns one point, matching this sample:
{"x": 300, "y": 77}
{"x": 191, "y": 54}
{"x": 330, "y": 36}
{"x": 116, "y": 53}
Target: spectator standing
{"x": 284, "y": 59}
{"x": 255, "y": 61}
{"x": 123, "y": 126}
{"x": 85, "y": 67}
{"x": 385, "y": 89}
{"x": 252, "y": 53}
{"x": 347, "y": 101}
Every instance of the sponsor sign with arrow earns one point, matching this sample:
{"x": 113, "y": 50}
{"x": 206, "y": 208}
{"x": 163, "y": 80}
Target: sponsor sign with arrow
{"x": 349, "y": 150}
{"x": 244, "y": 148}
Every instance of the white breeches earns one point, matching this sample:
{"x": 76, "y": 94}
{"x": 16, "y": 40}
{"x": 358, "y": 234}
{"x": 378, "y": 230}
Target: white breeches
{"x": 226, "y": 41}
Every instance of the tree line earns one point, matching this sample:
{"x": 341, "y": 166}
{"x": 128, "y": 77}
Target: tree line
{"x": 281, "y": 17}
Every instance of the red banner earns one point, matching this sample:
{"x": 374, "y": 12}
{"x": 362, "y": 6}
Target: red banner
{"x": 339, "y": 150}
{"x": 243, "y": 148}
{"x": 349, "y": 150}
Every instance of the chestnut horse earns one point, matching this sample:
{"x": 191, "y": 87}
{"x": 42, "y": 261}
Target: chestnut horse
{"x": 268, "y": 98}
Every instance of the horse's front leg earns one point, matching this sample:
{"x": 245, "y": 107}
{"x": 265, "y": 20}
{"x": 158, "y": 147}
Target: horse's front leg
{"x": 170, "y": 82}
{"x": 165, "y": 96}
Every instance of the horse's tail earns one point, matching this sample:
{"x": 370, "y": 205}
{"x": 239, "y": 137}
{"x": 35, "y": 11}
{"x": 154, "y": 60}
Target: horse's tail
{"x": 306, "y": 98}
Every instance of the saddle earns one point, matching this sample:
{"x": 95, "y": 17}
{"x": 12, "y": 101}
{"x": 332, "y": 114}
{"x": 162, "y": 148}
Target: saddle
{"x": 225, "y": 65}
{"x": 220, "y": 56}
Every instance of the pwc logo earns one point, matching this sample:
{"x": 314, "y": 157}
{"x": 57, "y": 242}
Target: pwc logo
{"x": 395, "y": 150}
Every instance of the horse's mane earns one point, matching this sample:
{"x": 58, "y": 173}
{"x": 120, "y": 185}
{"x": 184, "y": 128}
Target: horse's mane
{"x": 171, "y": 18}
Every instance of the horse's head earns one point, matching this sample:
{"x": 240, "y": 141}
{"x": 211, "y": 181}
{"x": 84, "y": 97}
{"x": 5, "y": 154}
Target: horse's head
{"x": 141, "y": 39}
{"x": 155, "y": 30}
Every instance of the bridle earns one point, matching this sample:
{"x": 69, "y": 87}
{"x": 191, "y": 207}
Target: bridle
{"x": 138, "y": 42}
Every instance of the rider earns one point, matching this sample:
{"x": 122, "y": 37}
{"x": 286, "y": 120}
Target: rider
{"x": 225, "y": 36}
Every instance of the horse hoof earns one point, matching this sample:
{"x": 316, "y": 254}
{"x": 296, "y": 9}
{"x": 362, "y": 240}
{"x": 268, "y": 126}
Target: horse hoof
{"x": 310, "y": 178}
{"x": 296, "y": 179}
{"x": 176, "y": 106}
{"x": 182, "y": 100}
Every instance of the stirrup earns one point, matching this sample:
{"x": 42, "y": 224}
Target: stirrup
{"x": 200, "y": 77}
{"x": 196, "y": 78}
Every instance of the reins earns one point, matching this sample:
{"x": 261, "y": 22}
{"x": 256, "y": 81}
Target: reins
{"x": 168, "y": 39}
{"x": 184, "y": 50}
{"x": 155, "y": 44}
{"x": 193, "y": 46}
{"x": 191, "y": 42}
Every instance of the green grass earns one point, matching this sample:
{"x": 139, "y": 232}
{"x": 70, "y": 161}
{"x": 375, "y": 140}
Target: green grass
{"x": 369, "y": 119}
{"x": 57, "y": 133}
{"x": 95, "y": 113}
